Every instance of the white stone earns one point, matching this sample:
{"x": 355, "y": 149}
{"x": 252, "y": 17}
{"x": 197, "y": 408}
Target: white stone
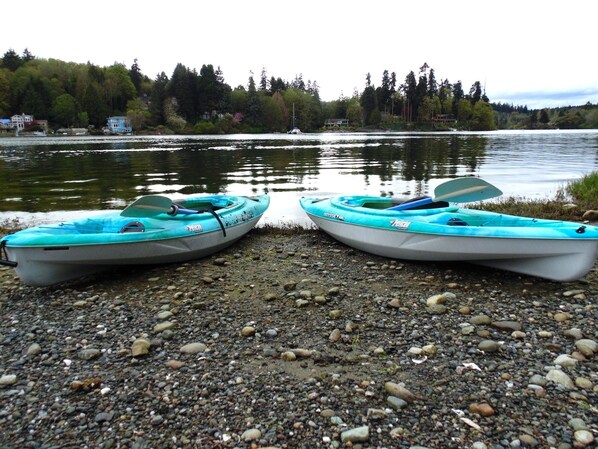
{"x": 356, "y": 435}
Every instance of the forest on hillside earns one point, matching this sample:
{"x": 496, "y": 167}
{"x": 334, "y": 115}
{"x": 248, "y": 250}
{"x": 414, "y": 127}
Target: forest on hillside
{"x": 78, "y": 95}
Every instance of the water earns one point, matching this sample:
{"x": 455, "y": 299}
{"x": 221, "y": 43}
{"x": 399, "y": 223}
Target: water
{"x": 49, "y": 179}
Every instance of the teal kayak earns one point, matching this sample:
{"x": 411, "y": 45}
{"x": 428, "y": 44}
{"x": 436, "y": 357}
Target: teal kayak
{"x": 439, "y": 231}
{"x": 152, "y": 230}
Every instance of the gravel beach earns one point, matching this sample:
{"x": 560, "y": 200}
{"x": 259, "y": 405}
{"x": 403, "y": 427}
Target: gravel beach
{"x": 292, "y": 340}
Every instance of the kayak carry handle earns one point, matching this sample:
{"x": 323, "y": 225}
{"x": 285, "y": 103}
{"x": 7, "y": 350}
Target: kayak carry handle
{"x": 4, "y": 260}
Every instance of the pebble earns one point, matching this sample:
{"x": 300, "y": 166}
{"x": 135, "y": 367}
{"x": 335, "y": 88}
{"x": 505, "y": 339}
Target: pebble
{"x": 507, "y": 325}
{"x": 574, "y": 333}
{"x": 165, "y": 325}
{"x": 559, "y": 377}
{"x": 584, "y": 437}
{"x": 488, "y": 346}
{"x": 335, "y": 335}
{"x": 587, "y": 347}
{"x": 194, "y": 348}
{"x": 34, "y": 349}
{"x": 140, "y": 346}
{"x": 480, "y": 320}
{"x": 251, "y": 435}
{"x": 356, "y": 435}
{"x": 400, "y": 391}
{"x": 8, "y": 379}
{"x": 396, "y": 403}
{"x": 565, "y": 360}
{"x": 248, "y": 331}
{"x": 89, "y": 354}
{"x": 482, "y": 409}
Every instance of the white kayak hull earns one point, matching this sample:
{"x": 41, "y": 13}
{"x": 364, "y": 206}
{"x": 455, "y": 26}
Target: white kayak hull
{"x": 561, "y": 251}
{"x": 52, "y": 254}
{"x": 40, "y": 267}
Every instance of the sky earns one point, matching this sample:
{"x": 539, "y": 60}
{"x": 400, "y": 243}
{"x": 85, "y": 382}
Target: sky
{"x": 535, "y": 53}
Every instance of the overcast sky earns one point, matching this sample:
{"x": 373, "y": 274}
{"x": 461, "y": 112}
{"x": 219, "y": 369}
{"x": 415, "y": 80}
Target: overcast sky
{"x": 538, "y": 53}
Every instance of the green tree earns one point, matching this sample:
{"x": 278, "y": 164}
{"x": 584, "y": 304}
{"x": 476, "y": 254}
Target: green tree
{"x": 209, "y": 90}
{"x": 482, "y": 117}
{"x": 354, "y": 112}
{"x": 272, "y": 115}
{"x": 369, "y": 104}
{"x": 464, "y": 110}
{"x": 432, "y": 85}
{"x": 183, "y": 86}
{"x": 65, "y": 111}
{"x": 475, "y": 92}
{"x": 458, "y": 95}
{"x": 11, "y": 60}
{"x": 136, "y": 76}
{"x": 410, "y": 92}
{"x": 157, "y": 98}
{"x": 94, "y": 105}
{"x": 425, "y": 110}
{"x": 5, "y": 76}
{"x": 544, "y": 119}
{"x": 139, "y": 114}
{"x": 118, "y": 88}
{"x": 254, "y": 106}
{"x": 238, "y": 100}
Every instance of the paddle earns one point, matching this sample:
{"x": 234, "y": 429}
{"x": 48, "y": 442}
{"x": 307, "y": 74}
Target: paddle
{"x": 460, "y": 190}
{"x": 152, "y": 205}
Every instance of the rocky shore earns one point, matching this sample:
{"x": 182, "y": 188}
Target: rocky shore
{"x": 297, "y": 341}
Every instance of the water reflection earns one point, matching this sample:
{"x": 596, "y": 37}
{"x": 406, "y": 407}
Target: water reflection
{"x": 97, "y": 173}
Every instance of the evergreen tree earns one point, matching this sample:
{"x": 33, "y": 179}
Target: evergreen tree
{"x": 385, "y": 91}
{"x": 264, "y": 80}
{"x": 421, "y": 92}
{"x": 457, "y": 97}
{"x": 92, "y": 103}
{"x": 544, "y": 119}
{"x": 183, "y": 86}
{"x": 11, "y": 60}
{"x": 253, "y": 103}
{"x": 224, "y": 91}
{"x": 27, "y": 56}
{"x": 277, "y": 85}
{"x": 369, "y": 104}
{"x": 136, "y": 76}
{"x": 475, "y": 92}
{"x": 157, "y": 99}
{"x": 208, "y": 91}
{"x": 432, "y": 85}
{"x": 410, "y": 91}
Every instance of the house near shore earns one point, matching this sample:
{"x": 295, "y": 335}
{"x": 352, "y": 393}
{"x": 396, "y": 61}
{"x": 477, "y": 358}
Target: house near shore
{"x": 336, "y": 123}
{"x": 20, "y": 122}
{"x": 118, "y": 125}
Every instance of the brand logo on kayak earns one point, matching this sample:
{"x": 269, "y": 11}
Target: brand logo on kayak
{"x": 194, "y": 228}
{"x": 336, "y": 216}
{"x": 400, "y": 224}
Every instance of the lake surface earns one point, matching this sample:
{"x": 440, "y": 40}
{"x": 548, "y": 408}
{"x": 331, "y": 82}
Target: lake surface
{"x": 47, "y": 178}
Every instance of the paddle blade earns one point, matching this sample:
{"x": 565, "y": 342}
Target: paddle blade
{"x": 465, "y": 190}
{"x": 148, "y": 206}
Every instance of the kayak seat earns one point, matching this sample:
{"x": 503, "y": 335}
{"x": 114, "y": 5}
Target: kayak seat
{"x": 133, "y": 226}
{"x": 457, "y": 222}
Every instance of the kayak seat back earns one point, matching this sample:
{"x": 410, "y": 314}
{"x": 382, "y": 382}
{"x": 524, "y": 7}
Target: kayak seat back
{"x": 455, "y": 221}
{"x": 133, "y": 226}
